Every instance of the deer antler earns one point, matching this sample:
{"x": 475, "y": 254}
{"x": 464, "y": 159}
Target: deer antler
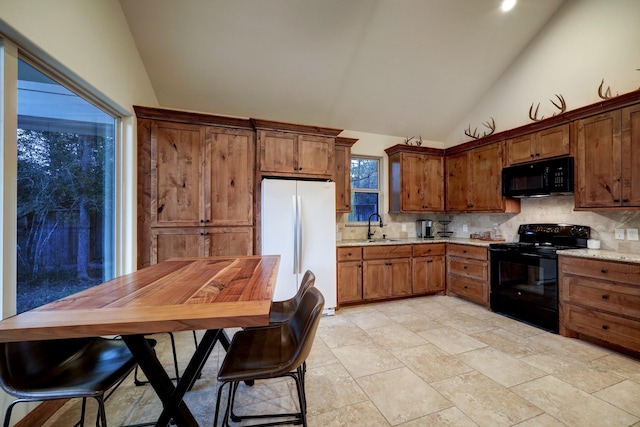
{"x": 562, "y": 106}
{"x": 489, "y": 125}
{"x": 607, "y": 93}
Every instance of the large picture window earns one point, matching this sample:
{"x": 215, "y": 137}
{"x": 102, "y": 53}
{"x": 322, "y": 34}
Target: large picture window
{"x": 365, "y": 188}
{"x": 65, "y": 206}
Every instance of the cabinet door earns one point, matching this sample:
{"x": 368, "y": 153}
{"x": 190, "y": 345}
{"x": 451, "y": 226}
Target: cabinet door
{"x": 221, "y": 241}
{"x": 349, "y": 281}
{"x": 521, "y": 149}
{"x": 412, "y": 182}
{"x": 399, "y": 273}
{"x": 278, "y": 152}
{"x": 315, "y": 155}
{"x": 552, "y": 142}
{"x": 374, "y": 283}
{"x": 433, "y": 183}
{"x": 631, "y": 156}
{"x": 599, "y": 161}
{"x": 176, "y": 242}
{"x": 457, "y": 182}
{"x": 486, "y": 178}
{"x": 342, "y": 178}
{"x": 176, "y": 174}
{"x": 428, "y": 274}
{"x": 230, "y": 177}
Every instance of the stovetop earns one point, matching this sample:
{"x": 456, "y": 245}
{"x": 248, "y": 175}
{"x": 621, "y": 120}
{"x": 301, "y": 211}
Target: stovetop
{"x": 547, "y": 238}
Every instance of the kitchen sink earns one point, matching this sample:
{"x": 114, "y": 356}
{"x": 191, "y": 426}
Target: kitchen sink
{"x": 381, "y": 240}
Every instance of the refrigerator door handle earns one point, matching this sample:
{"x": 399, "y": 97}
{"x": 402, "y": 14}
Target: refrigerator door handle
{"x": 294, "y": 210}
{"x": 298, "y": 234}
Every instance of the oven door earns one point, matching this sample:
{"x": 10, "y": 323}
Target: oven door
{"x": 525, "y": 286}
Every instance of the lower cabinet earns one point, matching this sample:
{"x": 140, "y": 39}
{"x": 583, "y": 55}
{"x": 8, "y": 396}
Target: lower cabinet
{"x": 168, "y": 242}
{"x": 468, "y": 272}
{"x": 370, "y": 273}
{"x": 600, "y": 299}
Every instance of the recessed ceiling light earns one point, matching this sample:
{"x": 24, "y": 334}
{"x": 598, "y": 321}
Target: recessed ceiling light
{"x": 507, "y": 5}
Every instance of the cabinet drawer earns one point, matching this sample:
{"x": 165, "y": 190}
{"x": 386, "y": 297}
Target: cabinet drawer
{"x": 471, "y": 268}
{"x": 428, "y": 249}
{"x": 467, "y": 251}
{"x": 349, "y": 253}
{"x": 386, "y": 251}
{"x": 602, "y": 295}
{"x": 613, "y": 329}
{"x": 605, "y": 270}
{"x": 468, "y": 288}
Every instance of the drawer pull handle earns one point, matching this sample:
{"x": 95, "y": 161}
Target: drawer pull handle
{"x": 349, "y": 254}
{"x": 464, "y": 268}
{"x": 466, "y": 287}
{"x": 604, "y": 270}
{"x": 605, "y": 327}
{"x": 605, "y": 296}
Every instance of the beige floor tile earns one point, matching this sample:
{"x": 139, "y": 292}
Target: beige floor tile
{"x": 416, "y": 322}
{"x": 451, "y": 417}
{"x": 431, "y": 363}
{"x": 343, "y": 334}
{"x": 363, "y": 414}
{"x": 400, "y": 395}
{"x": 501, "y": 368}
{"x": 486, "y": 402}
{"x": 620, "y": 365}
{"x": 507, "y": 342}
{"x": 466, "y": 323}
{"x": 544, "y": 420}
{"x": 624, "y": 395}
{"x": 515, "y": 327}
{"x": 366, "y": 359}
{"x": 568, "y": 348}
{"x": 395, "y": 337}
{"x": 587, "y": 376}
{"x": 331, "y": 387}
{"x": 321, "y": 354}
{"x": 370, "y": 319}
{"x": 451, "y": 340}
{"x": 571, "y": 405}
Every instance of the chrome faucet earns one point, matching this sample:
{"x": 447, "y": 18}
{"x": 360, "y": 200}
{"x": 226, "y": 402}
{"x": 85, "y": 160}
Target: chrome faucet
{"x": 369, "y": 232}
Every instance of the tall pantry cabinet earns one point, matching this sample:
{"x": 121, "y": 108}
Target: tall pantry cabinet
{"x": 195, "y": 185}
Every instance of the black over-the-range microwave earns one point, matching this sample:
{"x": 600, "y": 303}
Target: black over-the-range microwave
{"x": 544, "y": 178}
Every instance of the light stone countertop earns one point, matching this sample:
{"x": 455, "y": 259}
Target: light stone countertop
{"x": 602, "y": 254}
{"x": 412, "y": 241}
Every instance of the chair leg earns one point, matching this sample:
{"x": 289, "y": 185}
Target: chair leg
{"x": 225, "y": 417}
{"x": 7, "y": 413}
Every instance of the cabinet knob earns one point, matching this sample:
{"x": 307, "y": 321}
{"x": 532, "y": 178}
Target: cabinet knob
{"x": 604, "y": 270}
{"x": 605, "y": 296}
{"x": 466, "y": 287}
{"x": 537, "y": 154}
{"x": 625, "y": 200}
{"x": 464, "y": 268}
{"x": 616, "y": 200}
{"x": 532, "y": 155}
{"x": 605, "y": 327}
{"x": 429, "y": 261}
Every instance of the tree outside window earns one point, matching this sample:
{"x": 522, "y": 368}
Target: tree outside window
{"x": 365, "y": 188}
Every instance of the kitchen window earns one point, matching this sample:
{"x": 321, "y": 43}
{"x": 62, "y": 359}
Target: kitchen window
{"x": 365, "y": 187}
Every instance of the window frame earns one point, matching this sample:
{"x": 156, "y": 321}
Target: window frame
{"x": 379, "y": 191}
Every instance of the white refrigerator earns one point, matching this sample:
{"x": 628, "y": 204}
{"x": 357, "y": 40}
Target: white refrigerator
{"x": 299, "y": 224}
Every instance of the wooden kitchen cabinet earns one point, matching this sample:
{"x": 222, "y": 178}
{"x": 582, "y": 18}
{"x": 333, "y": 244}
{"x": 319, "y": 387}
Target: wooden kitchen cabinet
{"x": 600, "y": 299}
{"x": 544, "y": 144}
{"x": 195, "y": 185}
{"x": 349, "y": 272}
{"x": 468, "y": 272}
{"x": 342, "y": 173}
{"x": 474, "y": 181}
{"x": 608, "y": 160}
{"x": 416, "y": 179}
{"x": 428, "y": 268}
{"x": 386, "y": 271}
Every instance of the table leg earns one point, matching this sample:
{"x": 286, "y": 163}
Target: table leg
{"x": 171, "y": 396}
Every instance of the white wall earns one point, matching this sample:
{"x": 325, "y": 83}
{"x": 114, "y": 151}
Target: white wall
{"x": 584, "y": 42}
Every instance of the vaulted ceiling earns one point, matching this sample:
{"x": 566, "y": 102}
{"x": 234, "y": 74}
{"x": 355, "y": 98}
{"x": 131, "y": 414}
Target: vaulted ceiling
{"x": 392, "y": 67}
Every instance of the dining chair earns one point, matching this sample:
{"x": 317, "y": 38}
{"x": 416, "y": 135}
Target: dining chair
{"x": 70, "y": 368}
{"x": 281, "y": 311}
{"x": 273, "y": 351}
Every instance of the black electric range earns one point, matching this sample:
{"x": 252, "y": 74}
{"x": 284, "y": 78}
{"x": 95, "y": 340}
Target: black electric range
{"x": 524, "y": 274}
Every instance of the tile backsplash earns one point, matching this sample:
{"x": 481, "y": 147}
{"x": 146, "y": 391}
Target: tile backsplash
{"x": 534, "y": 210}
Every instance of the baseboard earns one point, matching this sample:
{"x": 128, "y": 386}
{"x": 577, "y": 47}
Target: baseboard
{"x": 41, "y": 413}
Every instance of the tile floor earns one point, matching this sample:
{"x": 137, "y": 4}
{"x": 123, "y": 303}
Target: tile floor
{"x": 430, "y": 361}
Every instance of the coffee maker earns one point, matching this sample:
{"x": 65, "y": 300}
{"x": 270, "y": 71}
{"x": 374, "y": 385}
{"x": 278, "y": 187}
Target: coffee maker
{"x": 424, "y": 228}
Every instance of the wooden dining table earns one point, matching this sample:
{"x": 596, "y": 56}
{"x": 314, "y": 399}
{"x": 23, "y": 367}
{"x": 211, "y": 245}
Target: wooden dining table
{"x": 180, "y": 294}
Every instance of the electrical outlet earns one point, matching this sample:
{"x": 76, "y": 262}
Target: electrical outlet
{"x": 619, "y": 233}
{"x": 465, "y": 227}
{"x": 632, "y": 233}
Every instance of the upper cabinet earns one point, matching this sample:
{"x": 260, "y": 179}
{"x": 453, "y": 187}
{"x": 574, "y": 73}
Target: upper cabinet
{"x": 288, "y": 150}
{"x": 342, "y": 173}
{"x": 608, "y": 160}
{"x": 544, "y": 144}
{"x": 416, "y": 179}
{"x": 474, "y": 181}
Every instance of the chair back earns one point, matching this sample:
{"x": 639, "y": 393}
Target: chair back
{"x": 24, "y": 363}
{"x": 308, "y": 280}
{"x": 304, "y": 323}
